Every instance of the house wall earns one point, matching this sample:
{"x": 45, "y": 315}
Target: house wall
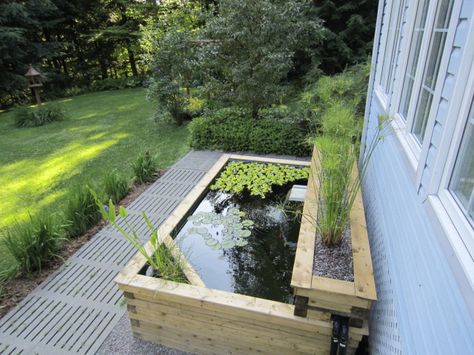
{"x": 422, "y": 307}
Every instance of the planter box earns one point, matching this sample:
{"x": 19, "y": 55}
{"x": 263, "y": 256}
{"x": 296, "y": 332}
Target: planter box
{"x": 194, "y": 318}
{"x": 320, "y": 294}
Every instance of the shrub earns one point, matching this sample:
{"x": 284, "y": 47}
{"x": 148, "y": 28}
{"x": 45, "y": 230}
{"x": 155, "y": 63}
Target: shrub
{"x": 81, "y": 212}
{"x": 144, "y": 168}
{"x": 34, "y": 243}
{"x": 34, "y": 117}
{"x": 116, "y": 186}
{"x": 233, "y": 129}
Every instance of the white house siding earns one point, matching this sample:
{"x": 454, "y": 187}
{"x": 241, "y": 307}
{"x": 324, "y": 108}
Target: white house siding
{"x": 420, "y": 308}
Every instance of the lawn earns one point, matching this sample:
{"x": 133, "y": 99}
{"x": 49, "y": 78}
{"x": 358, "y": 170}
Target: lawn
{"x": 103, "y": 131}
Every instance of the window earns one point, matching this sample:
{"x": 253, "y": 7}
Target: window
{"x": 432, "y": 65}
{"x": 462, "y": 180}
{"x": 414, "y": 55}
{"x": 392, "y": 41}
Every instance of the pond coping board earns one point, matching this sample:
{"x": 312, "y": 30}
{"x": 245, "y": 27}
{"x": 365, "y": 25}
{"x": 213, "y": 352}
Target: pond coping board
{"x": 169, "y": 313}
{"x": 348, "y": 298}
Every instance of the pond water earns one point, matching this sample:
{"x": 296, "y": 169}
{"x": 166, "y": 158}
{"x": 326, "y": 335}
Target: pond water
{"x": 232, "y": 254}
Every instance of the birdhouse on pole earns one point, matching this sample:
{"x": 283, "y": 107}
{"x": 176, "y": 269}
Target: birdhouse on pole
{"x": 34, "y": 82}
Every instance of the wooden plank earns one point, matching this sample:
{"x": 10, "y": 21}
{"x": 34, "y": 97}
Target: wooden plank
{"x": 269, "y": 160}
{"x": 224, "y": 332}
{"x": 155, "y": 311}
{"x": 337, "y": 294}
{"x": 333, "y": 285}
{"x": 240, "y": 305}
{"x": 303, "y": 265}
{"x": 363, "y": 272}
{"x": 209, "y": 344}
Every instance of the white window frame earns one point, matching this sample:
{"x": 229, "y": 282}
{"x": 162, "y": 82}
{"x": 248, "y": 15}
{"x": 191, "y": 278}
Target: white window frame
{"x": 415, "y": 151}
{"x": 385, "y": 43}
{"x": 455, "y": 231}
{"x": 441, "y": 202}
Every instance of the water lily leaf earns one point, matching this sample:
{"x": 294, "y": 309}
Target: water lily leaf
{"x": 233, "y": 211}
{"x": 202, "y": 230}
{"x": 228, "y": 243}
{"x": 211, "y": 242}
{"x": 244, "y": 233}
{"x": 241, "y": 242}
{"x": 218, "y": 246}
{"x": 247, "y": 223}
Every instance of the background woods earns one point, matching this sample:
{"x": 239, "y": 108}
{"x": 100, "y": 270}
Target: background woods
{"x": 105, "y": 44}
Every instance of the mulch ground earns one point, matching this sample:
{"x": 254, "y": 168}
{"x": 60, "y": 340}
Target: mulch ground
{"x": 19, "y": 287}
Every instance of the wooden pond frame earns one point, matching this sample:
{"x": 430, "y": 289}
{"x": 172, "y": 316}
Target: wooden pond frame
{"x": 194, "y": 318}
{"x": 352, "y": 299}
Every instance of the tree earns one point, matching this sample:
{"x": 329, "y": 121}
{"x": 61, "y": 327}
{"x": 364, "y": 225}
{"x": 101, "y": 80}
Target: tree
{"x": 20, "y": 44}
{"x": 251, "y": 48}
{"x": 174, "y": 72}
{"x": 350, "y": 28}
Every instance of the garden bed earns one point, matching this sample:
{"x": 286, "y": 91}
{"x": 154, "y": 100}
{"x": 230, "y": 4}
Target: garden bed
{"x": 198, "y": 318}
{"x": 317, "y": 294}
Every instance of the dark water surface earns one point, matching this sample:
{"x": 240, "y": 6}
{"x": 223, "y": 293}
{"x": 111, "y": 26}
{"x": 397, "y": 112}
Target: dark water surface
{"x": 263, "y": 267}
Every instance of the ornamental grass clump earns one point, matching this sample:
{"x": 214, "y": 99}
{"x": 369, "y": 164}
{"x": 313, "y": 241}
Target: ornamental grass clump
{"x": 144, "y": 168}
{"x": 116, "y": 186}
{"x": 81, "y": 212}
{"x": 337, "y": 150}
{"x": 38, "y": 116}
{"x": 35, "y": 243}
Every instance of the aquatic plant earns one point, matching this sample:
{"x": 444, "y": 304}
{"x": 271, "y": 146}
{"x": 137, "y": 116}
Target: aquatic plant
{"x": 256, "y": 178}
{"x": 165, "y": 262}
{"x": 233, "y": 230}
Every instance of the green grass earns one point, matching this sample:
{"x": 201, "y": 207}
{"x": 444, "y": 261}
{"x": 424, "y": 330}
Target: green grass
{"x": 103, "y": 131}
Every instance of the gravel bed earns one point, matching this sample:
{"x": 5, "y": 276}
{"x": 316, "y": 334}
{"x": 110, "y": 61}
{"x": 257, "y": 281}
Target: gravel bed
{"x": 334, "y": 262}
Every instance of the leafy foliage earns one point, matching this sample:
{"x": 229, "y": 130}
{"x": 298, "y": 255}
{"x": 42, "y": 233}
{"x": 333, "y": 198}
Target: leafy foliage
{"x": 251, "y": 46}
{"x": 350, "y": 26}
{"x": 221, "y": 231}
{"x": 174, "y": 73}
{"x": 81, "y": 212}
{"x": 256, "y": 178}
{"x": 348, "y": 88}
{"x": 38, "y": 116}
{"x": 144, "y": 168}
{"x": 116, "y": 186}
{"x": 34, "y": 243}
{"x": 233, "y": 129}
{"x": 165, "y": 260}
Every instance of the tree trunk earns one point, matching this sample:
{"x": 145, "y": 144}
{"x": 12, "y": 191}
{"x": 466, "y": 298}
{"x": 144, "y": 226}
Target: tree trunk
{"x": 133, "y": 64}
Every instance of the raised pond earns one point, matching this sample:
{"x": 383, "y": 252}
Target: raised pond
{"x": 244, "y": 245}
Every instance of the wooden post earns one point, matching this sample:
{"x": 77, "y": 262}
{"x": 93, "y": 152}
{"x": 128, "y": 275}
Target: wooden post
{"x": 301, "y": 306}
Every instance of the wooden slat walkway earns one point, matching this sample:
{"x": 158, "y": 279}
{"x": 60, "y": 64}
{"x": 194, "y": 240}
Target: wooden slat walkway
{"x": 77, "y": 307}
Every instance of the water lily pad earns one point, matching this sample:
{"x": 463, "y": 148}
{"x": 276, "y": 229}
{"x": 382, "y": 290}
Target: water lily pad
{"x": 202, "y": 230}
{"x": 241, "y": 242}
{"x": 244, "y": 233}
{"x": 211, "y": 242}
{"x": 228, "y": 243}
{"x": 192, "y": 230}
{"x": 247, "y": 223}
{"x": 233, "y": 211}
